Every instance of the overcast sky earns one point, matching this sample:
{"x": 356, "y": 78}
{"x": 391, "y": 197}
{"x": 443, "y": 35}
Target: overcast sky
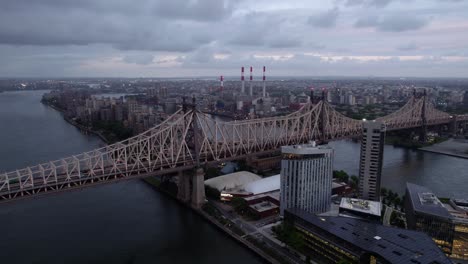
{"x": 171, "y": 38}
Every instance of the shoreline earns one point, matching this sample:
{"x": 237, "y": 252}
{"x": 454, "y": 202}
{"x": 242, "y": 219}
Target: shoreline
{"x": 445, "y": 153}
{"x": 209, "y": 219}
{"x": 452, "y": 147}
{"x": 73, "y": 123}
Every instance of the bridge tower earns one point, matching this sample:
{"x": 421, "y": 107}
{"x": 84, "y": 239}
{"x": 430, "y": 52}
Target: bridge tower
{"x": 454, "y": 125}
{"x": 198, "y": 178}
{"x": 194, "y": 181}
{"x": 323, "y": 123}
{"x": 423, "y": 135}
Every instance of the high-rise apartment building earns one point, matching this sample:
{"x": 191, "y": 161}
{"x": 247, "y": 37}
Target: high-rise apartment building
{"x": 306, "y": 177}
{"x": 371, "y": 159}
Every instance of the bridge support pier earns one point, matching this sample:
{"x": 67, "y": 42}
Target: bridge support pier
{"x": 183, "y": 185}
{"x": 423, "y": 134}
{"x": 198, "y": 188}
{"x": 454, "y": 126}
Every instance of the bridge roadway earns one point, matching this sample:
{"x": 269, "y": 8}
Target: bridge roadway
{"x": 190, "y": 139}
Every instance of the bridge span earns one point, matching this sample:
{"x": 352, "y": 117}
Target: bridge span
{"x": 190, "y": 139}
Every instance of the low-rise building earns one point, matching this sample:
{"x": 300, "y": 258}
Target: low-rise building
{"x": 329, "y": 239}
{"x": 446, "y": 223}
{"x": 365, "y": 209}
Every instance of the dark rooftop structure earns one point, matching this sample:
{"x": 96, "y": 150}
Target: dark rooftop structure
{"x": 424, "y": 201}
{"x": 363, "y": 241}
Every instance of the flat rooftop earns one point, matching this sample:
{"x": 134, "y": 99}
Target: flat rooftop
{"x": 263, "y": 206}
{"x": 394, "y": 244}
{"x": 424, "y": 201}
{"x": 306, "y": 149}
{"x": 275, "y": 195}
{"x": 363, "y": 206}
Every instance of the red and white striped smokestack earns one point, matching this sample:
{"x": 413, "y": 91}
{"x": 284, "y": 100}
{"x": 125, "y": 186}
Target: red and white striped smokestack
{"x": 243, "y": 82}
{"x": 251, "y": 88}
{"x": 264, "y": 84}
{"x": 221, "y": 78}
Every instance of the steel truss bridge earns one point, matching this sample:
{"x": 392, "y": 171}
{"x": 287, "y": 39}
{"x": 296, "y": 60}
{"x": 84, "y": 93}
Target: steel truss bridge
{"x": 189, "y": 139}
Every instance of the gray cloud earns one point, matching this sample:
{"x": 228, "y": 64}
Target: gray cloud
{"x": 53, "y": 22}
{"x": 203, "y": 10}
{"x": 143, "y": 59}
{"x": 371, "y": 3}
{"x": 325, "y": 20}
{"x": 401, "y": 23}
{"x": 408, "y": 47}
{"x": 368, "y": 21}
{"x": 260, "y": 29}
{"x": 182, "y": 37}
{"x": 198, "y": 10}
{"x": 392, "y": 23}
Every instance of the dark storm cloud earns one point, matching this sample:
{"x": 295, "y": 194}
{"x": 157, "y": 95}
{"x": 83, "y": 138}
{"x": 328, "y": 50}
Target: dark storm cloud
{"x": 392, "y": 23}
{"x": 325, "y": 20}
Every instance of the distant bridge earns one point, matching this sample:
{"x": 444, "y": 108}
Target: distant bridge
{"x": 190, "y": 139}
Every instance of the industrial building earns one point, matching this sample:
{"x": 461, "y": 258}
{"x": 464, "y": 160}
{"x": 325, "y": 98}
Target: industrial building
{"x": 447, "y": 224}
{"x": 306, "y": 177}
{"x": 371, "y": 159}
{"x": 331, "y": 239}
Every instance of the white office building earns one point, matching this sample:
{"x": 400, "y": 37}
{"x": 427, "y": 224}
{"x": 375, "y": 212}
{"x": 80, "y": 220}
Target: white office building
{"x": 306, "y": 177}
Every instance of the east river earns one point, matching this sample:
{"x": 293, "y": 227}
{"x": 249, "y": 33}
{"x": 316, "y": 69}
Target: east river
{"x": 129, "y": 222}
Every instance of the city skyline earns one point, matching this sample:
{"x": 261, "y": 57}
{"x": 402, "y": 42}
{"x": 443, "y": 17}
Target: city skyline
{"x": 388, "y": 38}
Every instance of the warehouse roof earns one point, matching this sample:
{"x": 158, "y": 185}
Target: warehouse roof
{"x": 232, "y": 180}
{"x": 264, "y": 185}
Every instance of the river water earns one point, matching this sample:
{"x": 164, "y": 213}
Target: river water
{"x": 125, "y": 222}
{"x": 129, "y": 222}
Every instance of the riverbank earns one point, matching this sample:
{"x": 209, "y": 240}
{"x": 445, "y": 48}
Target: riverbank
{"x": 75, "y": 124}
{"x": 452, "y": 147}
{"x": 232, "y": 231}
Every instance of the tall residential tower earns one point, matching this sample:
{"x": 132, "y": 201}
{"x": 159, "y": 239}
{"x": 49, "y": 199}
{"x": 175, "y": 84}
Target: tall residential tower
{"x": 370, "y": 163}
{"x": 306, "y": 177}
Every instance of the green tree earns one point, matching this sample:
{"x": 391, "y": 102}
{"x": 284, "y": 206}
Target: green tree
{"x": 383, "y": 191}
{"x": 397, "y": 201}
{"x": 240, "y": 205}
{"x": 341, "y": 175}
{"x": 212, "y": 193}
{"x": 354, "y": 181}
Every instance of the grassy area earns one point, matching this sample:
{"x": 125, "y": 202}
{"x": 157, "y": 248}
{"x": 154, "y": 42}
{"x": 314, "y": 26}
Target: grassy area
{"x": 444, "y": 200}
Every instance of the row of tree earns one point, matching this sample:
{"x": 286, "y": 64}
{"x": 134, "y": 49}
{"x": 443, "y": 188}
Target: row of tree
{"x": 342, "y": 176}
{"x": 391, "y": 198}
